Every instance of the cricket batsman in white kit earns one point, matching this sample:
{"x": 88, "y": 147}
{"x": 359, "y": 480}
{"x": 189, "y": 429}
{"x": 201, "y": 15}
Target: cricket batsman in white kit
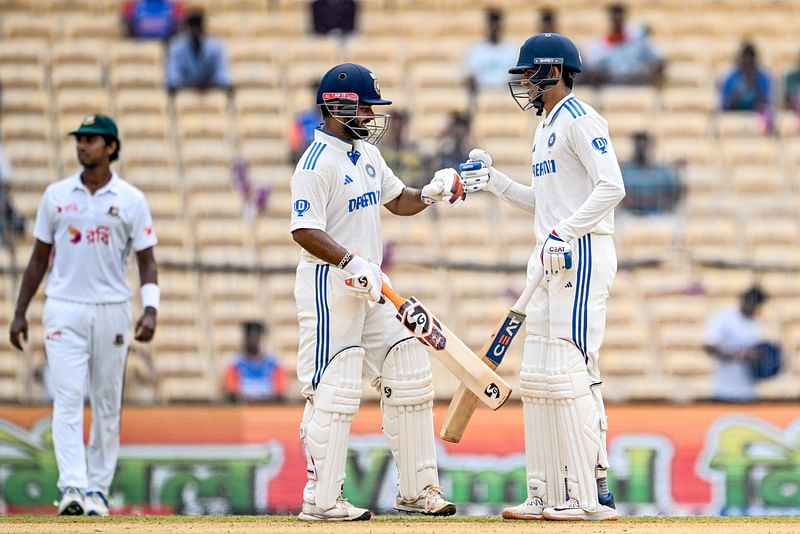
{"x": 576, "y": 185}
{"x": 90, "y": 222}
{"x": 346, "y": 332}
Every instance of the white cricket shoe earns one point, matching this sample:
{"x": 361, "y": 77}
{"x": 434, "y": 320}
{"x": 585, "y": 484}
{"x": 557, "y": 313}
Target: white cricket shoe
{"x": 572, "y": 511}
{"x": 96, "y": 503}
{"x": 529, "y": 510}
{"x": 341, "y": 511}
{"x": 71, "y": 502}
{"x": 429, "y": 502}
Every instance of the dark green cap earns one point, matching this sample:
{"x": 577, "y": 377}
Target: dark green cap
{"x": 97, "y": 125}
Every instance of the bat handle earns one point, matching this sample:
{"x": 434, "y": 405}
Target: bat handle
{"x": 530, "y": 286}
{"x": 392, "y": 295}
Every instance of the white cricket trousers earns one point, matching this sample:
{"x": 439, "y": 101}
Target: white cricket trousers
{"x": 81, "y": 338}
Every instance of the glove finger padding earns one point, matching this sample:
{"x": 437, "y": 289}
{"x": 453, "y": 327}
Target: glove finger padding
{"x": 474, "y": 176}
{"x": 445, "y": 185}
{"x": 556, "y": 255}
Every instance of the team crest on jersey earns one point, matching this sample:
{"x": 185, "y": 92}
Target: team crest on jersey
{"x": 371, "y": 170}
{"x": 119, "y": 340}
{"x": 552, "y": 139}
{"x": 301, "y": 206}
{"x": 113, "y": 211}
{"x": 600, "y": 144}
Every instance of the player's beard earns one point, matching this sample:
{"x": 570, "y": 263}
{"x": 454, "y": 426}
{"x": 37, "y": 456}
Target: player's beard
{"x": 356, "y": 129}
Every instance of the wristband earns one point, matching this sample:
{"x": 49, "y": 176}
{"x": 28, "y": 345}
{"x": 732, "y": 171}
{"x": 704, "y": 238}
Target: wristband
{"x": 151, "y": 295}
{"x": 345, "y": 260}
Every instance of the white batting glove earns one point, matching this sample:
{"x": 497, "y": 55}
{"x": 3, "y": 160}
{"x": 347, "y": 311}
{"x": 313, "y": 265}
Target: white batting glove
{"x": 366, "y": 278}
{"x": 445, "y": 185}
{"x": 556, "y": 255}
{"x": 477, "y": 174}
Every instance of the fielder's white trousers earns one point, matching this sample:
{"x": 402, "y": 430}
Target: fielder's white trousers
{"x": 80, "y": 339}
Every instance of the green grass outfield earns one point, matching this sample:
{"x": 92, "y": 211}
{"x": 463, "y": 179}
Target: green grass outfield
{"x": 38, "y": 524}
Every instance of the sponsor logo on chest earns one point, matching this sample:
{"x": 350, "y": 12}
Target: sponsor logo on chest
{"x": 541, "y": 168}
{"x": 370, "y": 198}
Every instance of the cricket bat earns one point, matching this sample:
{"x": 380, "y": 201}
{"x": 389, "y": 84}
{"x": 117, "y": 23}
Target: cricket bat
{"x": 463, "y": 404}
{"x": 476, "y": 377}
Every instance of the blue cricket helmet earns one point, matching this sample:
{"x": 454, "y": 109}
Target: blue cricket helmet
{"x": 351, "y": 78}
{"x": 547, "y": 49}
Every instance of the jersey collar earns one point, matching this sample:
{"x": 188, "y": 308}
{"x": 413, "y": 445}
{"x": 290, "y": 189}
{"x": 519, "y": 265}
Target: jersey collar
{"x": 111, "y": 187}
{"x": 552, "y": 116}
{"x": 333, "y": 141}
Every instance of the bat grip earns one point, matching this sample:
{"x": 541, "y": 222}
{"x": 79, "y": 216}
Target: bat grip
{"x": 390, "y": 294}
{"x": 530, "y": 287}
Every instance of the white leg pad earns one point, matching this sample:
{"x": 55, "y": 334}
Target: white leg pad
{"x": 407, "y": 402}
{"x": 543, "y": 458}
{"x": 578, "y": 420}
{"x": 325, "y": 429}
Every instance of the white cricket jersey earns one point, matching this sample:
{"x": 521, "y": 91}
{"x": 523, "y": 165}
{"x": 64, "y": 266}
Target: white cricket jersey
{"x": 339, "y": 187}
{"x": 576, "y": 176}
{"x": 92, "y": 236}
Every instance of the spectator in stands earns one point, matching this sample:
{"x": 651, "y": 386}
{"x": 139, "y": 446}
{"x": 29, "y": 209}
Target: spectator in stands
{"x": 454, "y": 141}
{"x": 791, "y": 89}
{"x": 12, "y": 224}
{"x": 624, "y": 55}
{"x": 304, "y": 124}
{"x": 650, "y": 187}
{"x": 335, "y": 17}
{"x": 152, "y": 19}
{"x": 487, "y": 62}
{"x": 731, "y": 338}
{"x": 254, "y": 375}
{"x": 195, "y": 61}
{"x": 403, "y": 156}
{"x": 748, "y": 86}
{"x": 547, "y": 21}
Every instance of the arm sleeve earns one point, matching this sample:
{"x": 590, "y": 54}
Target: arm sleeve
{"x": 173, "y": 71}
{"x": 592, "y": 144}
{"x": 44, "y": 229}
{"x": 143, "y": 235}
{"x": 309, "y": 201}
{"x": 520, "y": 196}
{"x": 714, "y": 331}
{"x": 221, "y": 74}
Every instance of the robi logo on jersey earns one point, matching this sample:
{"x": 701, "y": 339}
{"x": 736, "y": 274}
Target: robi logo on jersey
{"x": 370, "y": 198}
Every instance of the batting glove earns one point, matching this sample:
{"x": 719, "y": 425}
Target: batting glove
{"x": 477, "y": 174}
{"x": 445, "y": 185}
{"x": 366, "y": 278}
{"x": 556, "y": 255}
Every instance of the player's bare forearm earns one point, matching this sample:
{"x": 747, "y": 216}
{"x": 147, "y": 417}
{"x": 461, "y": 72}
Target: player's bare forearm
{"x": 409, "y": 202}
{"x": 34, "y": 273}
{"x": 319, "y": 244}
{"x": 148, "y": 268}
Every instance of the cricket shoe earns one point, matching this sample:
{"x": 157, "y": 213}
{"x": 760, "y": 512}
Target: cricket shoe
{"x": 429, "y": 502}
{"x": 71, "y": 502}
{"x": 529, "y": 510}
{"x": 96, "y": 503}
{"x": 572, "y": 511}
{"x": 341, "y": 511}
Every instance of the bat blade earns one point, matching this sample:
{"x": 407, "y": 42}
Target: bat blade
{"x": 464, "y": 403}
{"x": 474, "y": 375}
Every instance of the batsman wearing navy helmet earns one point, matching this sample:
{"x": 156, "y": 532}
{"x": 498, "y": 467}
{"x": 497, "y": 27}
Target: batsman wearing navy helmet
{"x": 346, "y": 332}
{"x": 575, "y": 186}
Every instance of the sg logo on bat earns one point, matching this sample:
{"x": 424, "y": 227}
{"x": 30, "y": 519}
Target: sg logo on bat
{"x": 492, "y": 391}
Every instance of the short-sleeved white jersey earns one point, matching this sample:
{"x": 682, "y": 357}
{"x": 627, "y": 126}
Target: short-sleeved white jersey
{"x": 576, "y": 176}
{"x": 339, "y": 187}
{"x": 92, "y": 236}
